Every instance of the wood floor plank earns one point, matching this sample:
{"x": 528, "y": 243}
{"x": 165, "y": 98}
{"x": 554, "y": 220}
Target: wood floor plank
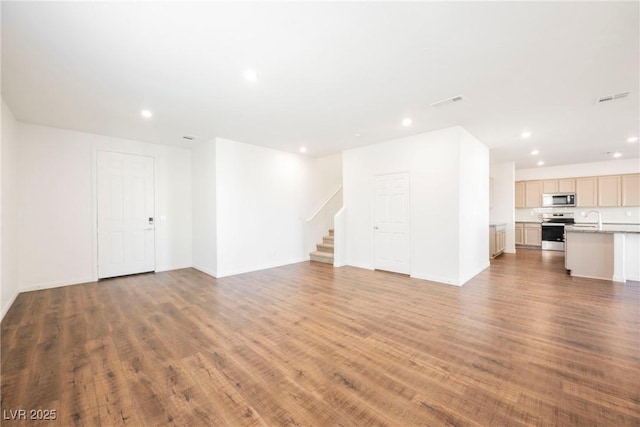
{"x": 522, "y": 344}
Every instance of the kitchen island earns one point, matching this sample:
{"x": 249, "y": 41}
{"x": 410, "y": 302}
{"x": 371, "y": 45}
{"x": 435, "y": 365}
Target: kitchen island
{"x": 609, "y": 252}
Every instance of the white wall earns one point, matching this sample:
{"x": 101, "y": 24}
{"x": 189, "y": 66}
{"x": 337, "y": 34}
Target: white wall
{"x": 433, "y": 161}
{"x": 57, "y": 204}
{"x": 9, "y": 218}
{"x": 262, "y": 199}
{"x": 611, "y": 167}
{"x": 503, "y": 210}
{"x": 473, "y": 207}
{"x": 203, "y": 181}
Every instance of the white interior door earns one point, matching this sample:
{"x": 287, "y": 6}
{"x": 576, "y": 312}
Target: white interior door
{"x": 391, "y": 222}
{"x": 126, "y": 235}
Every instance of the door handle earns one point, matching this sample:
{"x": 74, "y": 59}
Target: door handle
{"x": 375, "y": 228}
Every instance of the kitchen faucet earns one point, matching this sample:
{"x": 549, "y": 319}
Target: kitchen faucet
{"x": 599, "y": 218}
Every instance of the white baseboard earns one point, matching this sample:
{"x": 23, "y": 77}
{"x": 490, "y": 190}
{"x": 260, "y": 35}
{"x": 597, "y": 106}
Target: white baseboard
{"x": 9, "y": 303}
{"x": 211, "y": 273}
{"x": 449, "y": 281}
{"x": 611, "y": 279}
{"x": 172, "y": 267}
{"x": 261, "y": 267}
{"x": 438, "y": 279}
{"x": 56, "y": 284}
{"x": 478, "y": 271}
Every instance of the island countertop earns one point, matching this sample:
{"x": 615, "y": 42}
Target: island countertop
{"x": 606, "y": 228}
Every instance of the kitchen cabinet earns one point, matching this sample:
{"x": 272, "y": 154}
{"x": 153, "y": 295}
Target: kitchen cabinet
{"x": 520, "y": 194}
{"x": 519, "y": 233}
{"x": 549, "y": 186}
{"x": 496, "y": 240}
{"x": 631, "y": 190}
{"x": 591, "y": 191}
{"x": 532, "y": 234}
{"x": 608, "y": 191}
{"x": 533, "y": 194}
{"x": 567, "y": 185}
{"x": 587, "y": 191}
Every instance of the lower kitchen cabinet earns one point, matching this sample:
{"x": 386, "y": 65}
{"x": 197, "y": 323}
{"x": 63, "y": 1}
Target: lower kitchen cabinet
{"x": 496, "y": 239}
{"x": 528, "y": 234}
{"x": 519, "y": 233}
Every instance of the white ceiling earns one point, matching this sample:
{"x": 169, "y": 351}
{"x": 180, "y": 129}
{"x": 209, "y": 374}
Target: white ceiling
{"x": 331, "y": 70}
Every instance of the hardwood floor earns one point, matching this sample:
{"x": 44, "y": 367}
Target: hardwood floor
{"x": 307, "y": 344}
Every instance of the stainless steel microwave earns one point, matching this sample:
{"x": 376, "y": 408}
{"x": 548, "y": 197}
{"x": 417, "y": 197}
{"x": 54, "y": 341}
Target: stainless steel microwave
{"x": 553, "y": 200}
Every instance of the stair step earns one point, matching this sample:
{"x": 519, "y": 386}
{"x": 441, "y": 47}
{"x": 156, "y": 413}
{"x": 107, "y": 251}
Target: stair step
{"x": 327, "y": 239}
{"x": 325, "y": 247}
{"x": 331, "y": 232}
{"x": 324, "y": 257}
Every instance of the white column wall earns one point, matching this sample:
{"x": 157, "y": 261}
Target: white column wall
{"x": 434, "y": 162}
{"x": 9, "y": 219}
{"x": 474, "y": 206}
{"x": 203, "y": 181}
{"x": 503, "y": 210}
{"x": 262, "y": 199}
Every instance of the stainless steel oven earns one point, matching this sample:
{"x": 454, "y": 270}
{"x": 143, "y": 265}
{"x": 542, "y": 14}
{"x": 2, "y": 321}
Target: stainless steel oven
{"x": 553, "y": 230}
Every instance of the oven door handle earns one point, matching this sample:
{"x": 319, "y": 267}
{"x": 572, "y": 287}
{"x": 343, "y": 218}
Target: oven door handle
{"x": 552, "y": 224}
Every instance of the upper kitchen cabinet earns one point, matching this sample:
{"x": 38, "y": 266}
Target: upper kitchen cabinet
{"x": 631, "y": 190}
{"x": 567, "y": 185}
{"x": 608, "y": 191}
{"x": 533, "y": 194}
{"x": 587, "y": 191}
{"x": 549, "y": 186}
{"x": 591, "y": 191}
{"x": 520, "y": 194}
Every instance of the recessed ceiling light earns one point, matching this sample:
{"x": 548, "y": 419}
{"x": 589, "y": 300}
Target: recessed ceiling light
{"x": 303, "y": 149}
{"x": 358, "y": 135}
{"x": 540, "y": 163}
{"x": 251, "y": 75}
{"x": 525, "y": 134}
{"x": 617, "y": 154}
{"x": 535, "y": 152}
{"x": 632, "y": 139}
{"x": 407, "y": 122}
{"x": 146, "y": 114}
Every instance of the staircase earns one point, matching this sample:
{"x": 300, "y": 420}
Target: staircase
{"x": 324, "y": 252}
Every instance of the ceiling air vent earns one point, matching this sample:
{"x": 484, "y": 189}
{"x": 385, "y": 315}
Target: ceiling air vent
{"x": 612, "y": 97}
{"x": 189, "y": 137}
{"x": 447, "y": 101}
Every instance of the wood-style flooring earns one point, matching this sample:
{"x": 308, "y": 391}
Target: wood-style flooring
{"x": 523, "y": 343}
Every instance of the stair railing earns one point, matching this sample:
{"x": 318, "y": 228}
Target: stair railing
{"x": 325, "y": 203}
